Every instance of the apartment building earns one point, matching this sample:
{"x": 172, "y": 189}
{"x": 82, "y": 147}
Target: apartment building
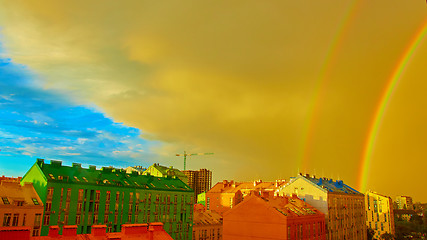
{"x": 379, "y": 213}
{"x": 73, "y": 195}
{"x": 20, "y": 206}
{"x": 343, "y": 206}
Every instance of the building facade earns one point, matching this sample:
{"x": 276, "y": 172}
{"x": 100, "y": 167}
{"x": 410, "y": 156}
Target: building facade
{"x": 207, "y": 224}
{"x": 73, "y": 195}
{"x": 223, "y": 197}
{"x": 404, "y": 202}
{"x": 152, "y": 231}
{"x": 199, "y": 180}
{"x": 379, "y": 213}
{"x": 20, "y": 206}
{"x": 344, "y": 207}
{"x": 284, "y": 218}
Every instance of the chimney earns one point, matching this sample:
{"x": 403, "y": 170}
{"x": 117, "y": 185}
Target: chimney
{"x": 77, "y": 165}
{"x": 69, "y": 230}
{"x": 53, "y": 232}
{"x": 155, "y": 227}
{"x": 99, "y": 230}
{"x": 131, "y": 229}
{"x": 225, "y": 183}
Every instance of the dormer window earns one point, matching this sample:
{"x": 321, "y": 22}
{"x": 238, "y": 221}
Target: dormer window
{"x": 5, "y": 200}
{"x": 60, "y": 177}
{"x": 51, "y": 176}
{"x": 85, "y": 179}
{"x": 76, "y": 179}
{"x": 35, "y": 201}
{"x": 20, "y": 203}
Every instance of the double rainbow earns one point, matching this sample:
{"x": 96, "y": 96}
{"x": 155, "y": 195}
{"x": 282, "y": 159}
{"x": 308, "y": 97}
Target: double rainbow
{"x": 381, "y": 108}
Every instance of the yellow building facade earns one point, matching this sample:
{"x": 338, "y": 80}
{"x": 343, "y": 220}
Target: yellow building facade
{"x": 344, "y": 207}
{"x": 379, "y": 213}
{"x": 20, "y": 206}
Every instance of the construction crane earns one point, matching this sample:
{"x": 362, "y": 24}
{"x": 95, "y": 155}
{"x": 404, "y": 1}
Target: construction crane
{"x": 190, "y": 154}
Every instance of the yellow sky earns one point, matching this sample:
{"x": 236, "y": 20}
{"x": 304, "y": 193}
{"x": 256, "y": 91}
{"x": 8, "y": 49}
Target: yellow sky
{"x": 242, "y": 79}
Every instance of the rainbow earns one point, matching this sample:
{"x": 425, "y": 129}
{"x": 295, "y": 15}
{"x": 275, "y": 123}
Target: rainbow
{"x": 381, "y": 108}
{"x": 322, "y": 83}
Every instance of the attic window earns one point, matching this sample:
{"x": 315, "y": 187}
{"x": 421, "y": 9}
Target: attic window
{"x": 106, "y": 181}
{"x": 126, "y": 182}
{"x": 51, "y": 176}
{"x": 5, "y": 200}
{"x": 152, "y": 185}
{"x": 35, "y": 201}
{"x": 85, "y": 179}
{"x": 76, "y": 179}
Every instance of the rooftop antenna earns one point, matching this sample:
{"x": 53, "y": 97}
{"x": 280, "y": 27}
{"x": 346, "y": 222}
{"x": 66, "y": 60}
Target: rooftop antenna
{"x": 190, "y": 154}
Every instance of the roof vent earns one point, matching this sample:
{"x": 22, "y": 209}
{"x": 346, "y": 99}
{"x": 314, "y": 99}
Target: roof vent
{"x": 107, "y": 169}
{"x": 55, "y": 163}
{"x": 77, "y": 165}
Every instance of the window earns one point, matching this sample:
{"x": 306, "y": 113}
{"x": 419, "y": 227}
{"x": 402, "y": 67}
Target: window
{"x": 50, "y": 192}
{"x": 36, "y": 232}
{"x": 106, "y": 218}
{"x": 77, "y": 219}
{"x": 6, "y": 219}
{"x": 48, "y": 206}
{"x": 96, "y": 207}
{"x": 46, "y": 220}
{"x": 23, "y": 219}
{"x": 68, "y": 194}
{"x": 117, "y": 196}
{"x": 130, "y": 218}
{"x": 15, "y": 219}
{"x": 79, "y": 207}
{"x": 20, "y": 203}
{"x": 107, "y": 207}
{"x": 85, "y": 179}
{"x": 108, "y": 195}
{"x": 5, "y": 200}
{"x": 80, "y": 198}
{"x": 51, "y": 176}
{"x": 35, "y": 201}
{"x": 98, "y": 193}
{"x": 37, "y": 219}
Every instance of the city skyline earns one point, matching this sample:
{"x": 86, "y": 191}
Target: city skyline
{"x": 273, "y": 89}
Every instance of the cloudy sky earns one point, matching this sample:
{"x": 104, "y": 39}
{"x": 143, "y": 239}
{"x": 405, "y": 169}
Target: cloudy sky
{"x": 334, "y": 88}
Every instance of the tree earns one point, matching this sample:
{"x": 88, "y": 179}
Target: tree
{"x": 387, "y": 236}
{"x": 370, "y": 233}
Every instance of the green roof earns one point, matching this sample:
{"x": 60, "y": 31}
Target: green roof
{"x": 108, "y": 176}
